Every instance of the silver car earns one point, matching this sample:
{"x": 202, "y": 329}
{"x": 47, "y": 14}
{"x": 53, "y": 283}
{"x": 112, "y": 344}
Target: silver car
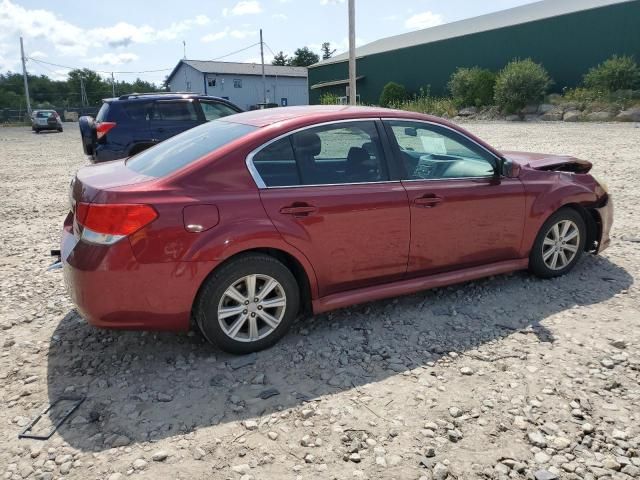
{"x": 45, "y": 120}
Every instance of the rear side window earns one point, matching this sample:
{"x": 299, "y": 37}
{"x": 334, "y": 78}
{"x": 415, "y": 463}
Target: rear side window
{"x": 102, "y": 113}
{"x": 180, "y": 111}
{"x": 138, "y": 111}
{"x": 276, "y": 164}
{"x": 187, "y": 147}
{"x": 215, "y": 110}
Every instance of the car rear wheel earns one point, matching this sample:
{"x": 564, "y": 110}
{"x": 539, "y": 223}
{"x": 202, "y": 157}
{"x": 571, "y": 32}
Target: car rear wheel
{"x": 248, "y": 304}
{"x": 559, "y": 244}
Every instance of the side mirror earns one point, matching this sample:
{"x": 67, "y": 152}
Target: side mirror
{"x": 509, "y": 168}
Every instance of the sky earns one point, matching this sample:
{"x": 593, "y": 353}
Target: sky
{"x": 141, "y": 36}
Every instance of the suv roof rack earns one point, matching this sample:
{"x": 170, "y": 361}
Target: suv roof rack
{"x": 130, "y": 95}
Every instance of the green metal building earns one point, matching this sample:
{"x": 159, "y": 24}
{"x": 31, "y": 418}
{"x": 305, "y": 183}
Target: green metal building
{"x": 567, "y": 36}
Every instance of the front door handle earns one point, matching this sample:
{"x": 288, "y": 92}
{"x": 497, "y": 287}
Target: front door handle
{"x": 428, "y": 201}
{"x": 299, "y": 210}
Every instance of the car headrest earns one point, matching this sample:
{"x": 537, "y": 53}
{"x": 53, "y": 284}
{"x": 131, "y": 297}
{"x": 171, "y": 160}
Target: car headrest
{"x": 357, "y": 156}
{"x": 308, "y": 143}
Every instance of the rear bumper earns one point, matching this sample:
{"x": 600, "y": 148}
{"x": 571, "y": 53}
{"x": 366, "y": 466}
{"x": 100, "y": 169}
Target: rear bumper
{"x": 111, "y": 289}
{"x": 606, "y": 221}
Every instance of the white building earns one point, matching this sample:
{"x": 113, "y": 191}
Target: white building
{"x": 241, "y": 83}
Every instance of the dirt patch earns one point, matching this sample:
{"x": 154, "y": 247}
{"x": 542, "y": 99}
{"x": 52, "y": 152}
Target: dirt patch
{"x": 507, "y": 377}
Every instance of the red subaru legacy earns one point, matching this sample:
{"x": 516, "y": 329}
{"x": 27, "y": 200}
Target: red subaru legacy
{"x": 241, "y": 223}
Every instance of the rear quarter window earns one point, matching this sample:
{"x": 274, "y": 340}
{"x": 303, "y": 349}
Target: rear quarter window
{"x": 187, "y": 147}
{"x": 103, "y": 113}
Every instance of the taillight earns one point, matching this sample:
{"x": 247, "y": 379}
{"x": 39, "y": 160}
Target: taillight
{"x": 107, "y": 223}
{"x": 103, "y": 127}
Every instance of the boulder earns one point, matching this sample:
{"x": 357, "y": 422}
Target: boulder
{"x": 552, "y": 116}
{"x": 530, "y": 109}
{"x": 572, "y": 116}
{"x": 599, "y": 116}
{"x": 468, "y": 111}
{"x": 630, "y": 115}
{"x": 545, "y": 107}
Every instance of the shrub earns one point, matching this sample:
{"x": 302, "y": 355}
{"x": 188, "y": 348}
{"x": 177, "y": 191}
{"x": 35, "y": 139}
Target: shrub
{"x": 472, "y": 87}
{"x": 520, "y": 83}
{"x": 425, "y": 103}
{"x": 615, "y": 73}
{"x": 329, "y": 98}
{"x": 392, "y": 94}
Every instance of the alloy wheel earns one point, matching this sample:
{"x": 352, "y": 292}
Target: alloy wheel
{"x": 560, "y": 244}
{"x": 252, "y": 308}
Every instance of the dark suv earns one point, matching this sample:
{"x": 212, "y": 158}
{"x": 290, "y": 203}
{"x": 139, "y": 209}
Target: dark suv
{"x": 131, "y": 123}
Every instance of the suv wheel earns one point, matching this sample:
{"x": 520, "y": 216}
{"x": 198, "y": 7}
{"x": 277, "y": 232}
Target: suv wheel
{"x": 559, "y": 244}
{"x": 248, "y": 304}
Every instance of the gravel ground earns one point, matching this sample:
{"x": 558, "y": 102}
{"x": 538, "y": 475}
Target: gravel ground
{"x": 507, "y": 377}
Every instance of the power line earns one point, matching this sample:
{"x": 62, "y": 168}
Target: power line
{"x": 233, "y": 53}
{"x": 109, "y": 72}
{"x": 98, "y": 71}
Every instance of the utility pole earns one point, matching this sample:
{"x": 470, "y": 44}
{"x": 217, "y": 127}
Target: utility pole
{"x": 264, "y": 82}
{"x": 184, "y": 49}
{"x": 24, "y": 76}
{"x": 113, "y": 85}
{"x": 352, "y": 52}
{"x": 83, "y": 93}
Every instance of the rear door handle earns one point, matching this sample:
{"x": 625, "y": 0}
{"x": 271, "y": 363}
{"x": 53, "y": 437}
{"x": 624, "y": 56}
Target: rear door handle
{"x": 428, "y": 201}
{"x": 299, "y": 210}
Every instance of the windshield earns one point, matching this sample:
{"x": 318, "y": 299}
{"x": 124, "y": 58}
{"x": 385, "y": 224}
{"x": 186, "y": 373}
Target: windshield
{"x": 187, "y": 147}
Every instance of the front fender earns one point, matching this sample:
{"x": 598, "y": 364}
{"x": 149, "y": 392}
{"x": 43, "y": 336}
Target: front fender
{"x": 546, "y": 196}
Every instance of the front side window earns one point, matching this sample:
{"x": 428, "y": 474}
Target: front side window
{"x": 431, "y": 152}
{"x": 187, "y": 147}
{"x": 215, "y": 110}
{"x": 179, "y": 111}
{"x": 347, "y": 152}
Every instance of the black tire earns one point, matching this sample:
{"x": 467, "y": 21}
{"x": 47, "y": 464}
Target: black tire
{"x": 37, "y": 130}
{"x": 537, "y": 264}
{"x": 60, "y": 129}
{"x": 206, "y": 305}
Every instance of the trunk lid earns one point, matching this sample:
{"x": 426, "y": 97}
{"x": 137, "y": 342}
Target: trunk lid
{"x": 555, "y": 163}
{"x": 92, "y": 179}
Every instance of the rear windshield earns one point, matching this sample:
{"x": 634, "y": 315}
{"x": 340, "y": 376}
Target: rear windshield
{"x": 44, "y": 114}
{"x": 187, "y": 147}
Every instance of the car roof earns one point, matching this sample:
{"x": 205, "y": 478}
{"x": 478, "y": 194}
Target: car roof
{"x": 321, "y": 113}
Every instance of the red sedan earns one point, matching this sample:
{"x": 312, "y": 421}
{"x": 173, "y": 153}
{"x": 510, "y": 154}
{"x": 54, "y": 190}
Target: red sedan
{"x": 240, "y": 224}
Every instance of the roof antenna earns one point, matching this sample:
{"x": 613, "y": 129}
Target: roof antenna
{"x": 184, "y": 50}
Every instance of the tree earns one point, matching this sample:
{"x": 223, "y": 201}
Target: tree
{"x": 280, "y": 59}
{"x": 326, "y": 51}
{"x": 303, "y": 57}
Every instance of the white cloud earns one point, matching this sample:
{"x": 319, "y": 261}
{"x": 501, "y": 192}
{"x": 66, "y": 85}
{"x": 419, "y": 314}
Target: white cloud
{"x": 244, "y": 7}
{"x": 423, "y": 20}
{"x": 38, "y": 54}
{"x": 69, "y": 39}
{"x": 114, "y": 58}
{"x": 331, "y": 2}
{"x": 279, "y": 16}
{"x": 228, "y": 32}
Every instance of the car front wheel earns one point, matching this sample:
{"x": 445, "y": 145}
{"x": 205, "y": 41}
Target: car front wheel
{"x": 248, "y": 304}
{"x": 559, "y": 244}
